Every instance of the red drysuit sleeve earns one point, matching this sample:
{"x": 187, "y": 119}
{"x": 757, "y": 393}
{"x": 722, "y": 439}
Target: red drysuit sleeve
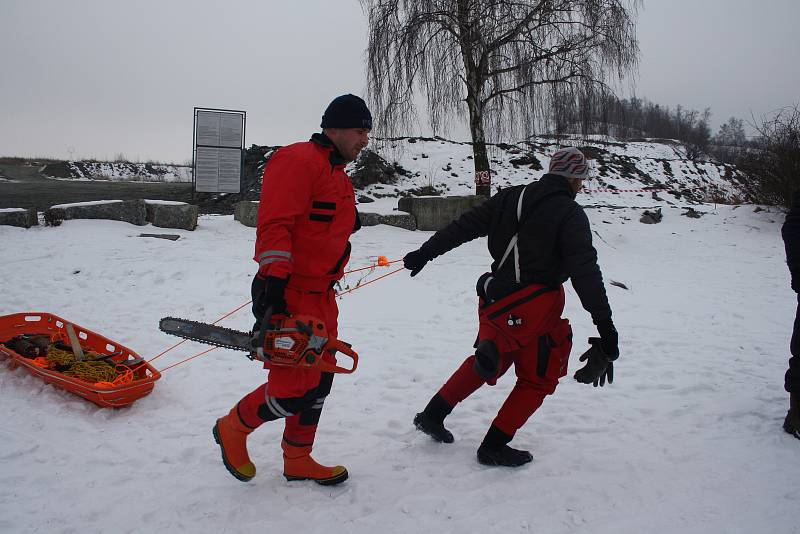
{"x": 285, "y": 200}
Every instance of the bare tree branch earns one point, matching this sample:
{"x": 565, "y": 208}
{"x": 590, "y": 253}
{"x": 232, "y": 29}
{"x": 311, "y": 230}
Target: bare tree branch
{"x": 500, "y": 63}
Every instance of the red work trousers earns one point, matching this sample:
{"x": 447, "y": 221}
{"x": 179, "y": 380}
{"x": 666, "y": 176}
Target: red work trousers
{"x": 529, "y": 333}
{"x": 293, "y": 393}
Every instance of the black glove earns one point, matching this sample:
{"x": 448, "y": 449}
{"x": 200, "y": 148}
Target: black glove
{"x": 271, "y": 298}
{"x": 599, "y": 366}
{"x": 415, "y": 260}
{"x": 609, "y": 338}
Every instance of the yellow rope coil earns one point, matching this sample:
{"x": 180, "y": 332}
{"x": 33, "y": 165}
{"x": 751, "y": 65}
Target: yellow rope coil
{"x": 60, "y": 357}
{"x": 92, "y": 371}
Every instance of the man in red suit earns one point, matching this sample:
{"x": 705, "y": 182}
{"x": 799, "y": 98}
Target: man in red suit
{"x": 306, "y": 216}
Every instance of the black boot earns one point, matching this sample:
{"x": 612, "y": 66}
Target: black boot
{"x": 495, "y": 450}
{"x": 792, "y": 422}
{"x": 431, "y": 419}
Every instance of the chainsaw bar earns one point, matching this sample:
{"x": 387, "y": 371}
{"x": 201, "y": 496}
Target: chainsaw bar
{"x": 207, "y": 333}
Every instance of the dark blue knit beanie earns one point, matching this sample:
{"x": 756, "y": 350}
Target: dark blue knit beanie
{"x": 347, "y": 111}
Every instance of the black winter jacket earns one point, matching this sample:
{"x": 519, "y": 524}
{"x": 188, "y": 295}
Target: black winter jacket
{"x": 791, "y": 240}
{"x": 555, "y": 240}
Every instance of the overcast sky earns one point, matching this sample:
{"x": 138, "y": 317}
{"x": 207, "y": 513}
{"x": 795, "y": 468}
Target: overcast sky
{"x": 98, "y": 78}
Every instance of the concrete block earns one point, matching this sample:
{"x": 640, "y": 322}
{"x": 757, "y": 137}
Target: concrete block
{"x": 172, "y": 214}
{"x": 401, "y": 220}
{"x": 22, "y": 217}
{"x": 434, "y": 213}
{"x": 130, "y": 211}
{"x": 246, "y": 212}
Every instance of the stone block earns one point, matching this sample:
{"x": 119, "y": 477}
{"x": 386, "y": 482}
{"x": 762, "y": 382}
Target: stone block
{"x": 246, "y": 212}
{"x": 401, "y": 220}
{"x": 434, "y": 213}
{"x": 130, "y": 211}
{"x": 651, "y": 217}
{"x": 22, "y": 217}
{"x": 172, "y": 214}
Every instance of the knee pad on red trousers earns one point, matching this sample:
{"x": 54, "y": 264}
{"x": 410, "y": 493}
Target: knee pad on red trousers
{"x": 487, "y": 359}
{"x": 258, "y": 407}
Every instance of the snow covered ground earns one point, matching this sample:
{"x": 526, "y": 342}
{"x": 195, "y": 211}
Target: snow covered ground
{"x": 688, "y": 439}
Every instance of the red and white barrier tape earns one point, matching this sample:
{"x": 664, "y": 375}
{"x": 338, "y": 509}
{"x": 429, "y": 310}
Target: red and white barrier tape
{"x": 622, "y": 190}
{"x": 678, "y": 189}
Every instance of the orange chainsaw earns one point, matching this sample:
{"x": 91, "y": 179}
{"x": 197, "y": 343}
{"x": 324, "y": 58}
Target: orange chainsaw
{"x": 287, "y": 341}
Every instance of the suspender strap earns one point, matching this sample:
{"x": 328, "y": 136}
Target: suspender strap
{"x": 512, "y": 245}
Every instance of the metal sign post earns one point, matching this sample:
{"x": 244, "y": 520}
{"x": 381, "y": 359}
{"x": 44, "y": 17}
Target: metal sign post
{"x": 218, "y": 155}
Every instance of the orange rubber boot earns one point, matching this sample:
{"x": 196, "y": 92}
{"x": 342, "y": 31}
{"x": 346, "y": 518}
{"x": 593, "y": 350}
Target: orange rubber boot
{"x": 299, "y": 465}
{"x": 231, "y": 435}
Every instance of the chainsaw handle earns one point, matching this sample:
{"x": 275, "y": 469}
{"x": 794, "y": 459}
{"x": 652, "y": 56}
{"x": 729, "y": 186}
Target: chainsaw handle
{"x": 335, "y": 346}
{"x": 258, "y": 343}
{"x": 262, "y": 333}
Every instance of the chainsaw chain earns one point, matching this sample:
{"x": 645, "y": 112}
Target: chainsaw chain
{"x": 204, "y": 328}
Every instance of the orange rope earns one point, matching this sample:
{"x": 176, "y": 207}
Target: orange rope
{"x": 166, "y": 351}
{"x": 41, "y": 361}
{"x": 187, "y": 359}
{"x": 185, "y": 340}
{"x": 370, "y": 282}
{"x": 373, "y": 266}
{"x": 232, "y": 312}
{"x": 125, "y": 376}
{"x": 249, "y": 301}
{"x": 181, "y": 342}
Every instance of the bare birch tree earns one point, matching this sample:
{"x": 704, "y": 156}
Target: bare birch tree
{"x": 502, "y": 62}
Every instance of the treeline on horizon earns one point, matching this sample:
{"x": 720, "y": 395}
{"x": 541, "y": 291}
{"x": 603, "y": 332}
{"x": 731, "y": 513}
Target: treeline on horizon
{"x": 636, "y": 118}
{"x": 770, "y": 159}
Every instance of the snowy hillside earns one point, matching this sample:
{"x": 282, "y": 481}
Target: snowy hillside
{"x": 688, "y": 439}
{"x": 442, "y": 167}
{"x": 118, "y": 171}
{"x": 447, "y": 167}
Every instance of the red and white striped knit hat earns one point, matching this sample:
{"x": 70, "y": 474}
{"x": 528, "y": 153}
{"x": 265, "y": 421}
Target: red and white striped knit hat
{"x": 570, "y": 163}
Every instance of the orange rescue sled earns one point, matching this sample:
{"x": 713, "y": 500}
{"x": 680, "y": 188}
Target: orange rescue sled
{"x": 140, "y": 380}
